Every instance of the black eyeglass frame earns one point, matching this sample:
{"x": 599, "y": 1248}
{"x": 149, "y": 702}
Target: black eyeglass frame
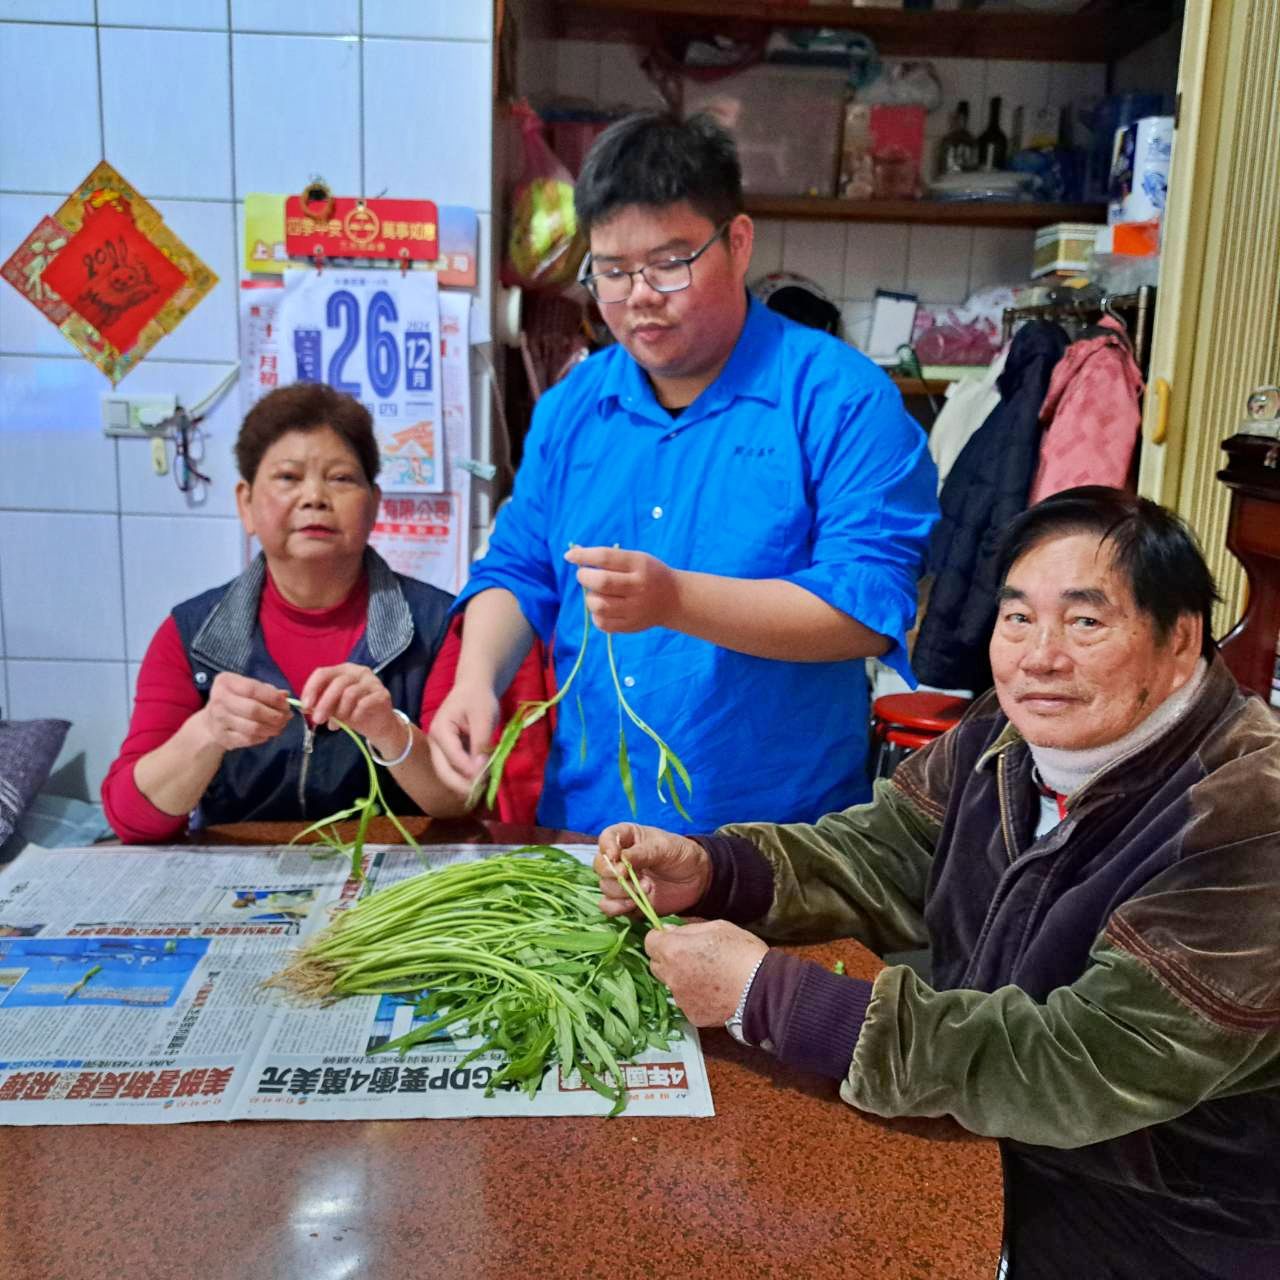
{"x": 618, "y": 272}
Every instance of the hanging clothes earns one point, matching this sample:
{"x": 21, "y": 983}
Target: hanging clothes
{"x": 986, "y": 488}
{"x": 1092, "y": 412}
{"x": 969, "y": 404}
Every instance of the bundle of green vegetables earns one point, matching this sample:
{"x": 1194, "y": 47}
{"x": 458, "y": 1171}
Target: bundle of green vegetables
{"x": 514, "y": 949}
{"x": 670, "y": 767}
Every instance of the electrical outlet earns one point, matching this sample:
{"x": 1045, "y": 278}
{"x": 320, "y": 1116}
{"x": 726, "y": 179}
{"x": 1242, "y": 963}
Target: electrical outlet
{"x": 137, "y": 416}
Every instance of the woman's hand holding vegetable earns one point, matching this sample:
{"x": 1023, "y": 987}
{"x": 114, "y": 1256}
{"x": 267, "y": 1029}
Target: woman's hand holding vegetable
{"x": 707, "y": 965}
{"x": 353, "y": 694}
{"x": 626, "y": 590}
{"x": 673, "y": 871}
{"x": 242, "y": 712}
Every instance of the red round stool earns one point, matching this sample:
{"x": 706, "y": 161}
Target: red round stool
{"x": 904, "y": 722}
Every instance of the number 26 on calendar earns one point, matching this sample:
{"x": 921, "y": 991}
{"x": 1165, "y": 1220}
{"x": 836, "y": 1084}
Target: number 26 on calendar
{"x": 384, "y": 357}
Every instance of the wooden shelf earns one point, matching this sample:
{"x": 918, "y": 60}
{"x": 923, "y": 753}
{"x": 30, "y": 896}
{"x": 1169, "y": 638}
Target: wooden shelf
{"x": 1103, "y": 32}
{"x": 946, "y": 213}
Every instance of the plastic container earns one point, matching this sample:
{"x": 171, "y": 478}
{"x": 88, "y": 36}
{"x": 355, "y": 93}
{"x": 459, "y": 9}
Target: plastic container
{"x": 786, "y": 122}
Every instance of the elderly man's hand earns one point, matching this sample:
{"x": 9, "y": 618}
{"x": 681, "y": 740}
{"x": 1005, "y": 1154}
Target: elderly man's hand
{"x": 626, "y": 590}
{"x": 243, "y": 712}
{"x": 354, "y": 694}
{"x": 673, "y": 871}
{"x": 707, "y": 965}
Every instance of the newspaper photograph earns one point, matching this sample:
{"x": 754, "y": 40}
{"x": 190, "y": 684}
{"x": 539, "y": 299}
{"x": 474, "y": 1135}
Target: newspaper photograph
{"x": 131, "y": 992}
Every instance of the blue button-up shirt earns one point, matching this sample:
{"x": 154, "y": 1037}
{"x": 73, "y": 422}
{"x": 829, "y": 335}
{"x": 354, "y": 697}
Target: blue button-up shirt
{"x": 798, "y": 463}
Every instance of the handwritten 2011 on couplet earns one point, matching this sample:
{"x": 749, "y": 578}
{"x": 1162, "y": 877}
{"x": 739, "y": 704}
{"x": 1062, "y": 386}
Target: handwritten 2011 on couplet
{"x": 108, "y": 273}
{"x": 113, "y": 275}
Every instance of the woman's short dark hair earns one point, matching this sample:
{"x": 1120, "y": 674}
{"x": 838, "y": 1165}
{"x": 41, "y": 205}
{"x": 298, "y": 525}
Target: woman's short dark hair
{"x": 1154, "y": 549}
{"x": 655, "y": 159}
{"x": 305, "y": 406}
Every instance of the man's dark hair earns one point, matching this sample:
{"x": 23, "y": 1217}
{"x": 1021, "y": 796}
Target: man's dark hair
{"x": 305, "y": 406}
{"x": 1154, "y": 549}
{"x": 655, "y": 159}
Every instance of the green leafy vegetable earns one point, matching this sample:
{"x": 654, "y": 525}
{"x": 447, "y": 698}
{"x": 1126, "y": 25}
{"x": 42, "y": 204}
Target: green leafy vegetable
{"x": 670, "y": 766}
{"x": 79, "y": 986}
{"x": 667, "y": 759}
{"x": 527, "y": 713}
{"x": 365, "y": 809}
{"x": 627, "y": 878}
{"x": 512, "y": 949}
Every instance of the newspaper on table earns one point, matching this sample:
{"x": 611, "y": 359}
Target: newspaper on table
{"x": 131, "y": 993}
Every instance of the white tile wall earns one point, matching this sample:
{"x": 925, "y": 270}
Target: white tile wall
{"x": 206, "y": 14}
{"x": 53, "y": 455}
{"x": 766, "y": 252}
{"x": 427, "y": 119}
{"x": 94, "y": 697}
{"x": 47, "y": 10}
{"x": 875, "y": 257}
{"x": 207, "y": 228}
{"x": 443, "y": 19}
{"x": 49, "y": 140}
{"x": 279, "y": 138}
{"x": 166, "y": 109}
{"x": 75, "y": 613}
{"x": 161, "y": 552}
{"x": 815, "y": 250}
{"x": 315, "y": 17}
{"x": 196, "y": 111}
{"x": 938, "y": 262}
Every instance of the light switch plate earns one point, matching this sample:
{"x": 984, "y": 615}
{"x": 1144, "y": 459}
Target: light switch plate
{"x": 137, "y": 416}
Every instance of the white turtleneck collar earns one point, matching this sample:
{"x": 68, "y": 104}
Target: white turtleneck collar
{"x": 1066, "y": 771}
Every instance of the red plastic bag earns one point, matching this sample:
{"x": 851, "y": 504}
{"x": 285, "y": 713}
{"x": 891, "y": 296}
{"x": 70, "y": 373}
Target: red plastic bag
{"x": 544, "y": 249}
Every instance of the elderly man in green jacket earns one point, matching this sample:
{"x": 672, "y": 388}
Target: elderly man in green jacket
{"x": 1093, "y": 857}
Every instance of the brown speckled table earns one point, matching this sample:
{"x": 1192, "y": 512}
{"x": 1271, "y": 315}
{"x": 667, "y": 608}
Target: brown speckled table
{"x": 785, "y": 1181}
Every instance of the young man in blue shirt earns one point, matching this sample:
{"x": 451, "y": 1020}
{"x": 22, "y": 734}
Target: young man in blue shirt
{"x": 744, "y": 502}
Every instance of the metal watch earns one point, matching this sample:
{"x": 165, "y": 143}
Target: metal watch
{"x": 734, "y": 1023}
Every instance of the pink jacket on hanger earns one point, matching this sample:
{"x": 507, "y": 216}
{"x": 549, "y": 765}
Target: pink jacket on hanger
{"x": 1092, "y": 414}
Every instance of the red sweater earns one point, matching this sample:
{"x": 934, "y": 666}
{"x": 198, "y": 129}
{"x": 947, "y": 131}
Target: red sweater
{"x": 299, "y": 641}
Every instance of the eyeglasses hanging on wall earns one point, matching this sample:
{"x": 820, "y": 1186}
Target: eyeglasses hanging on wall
{"x": 188, "y": 457}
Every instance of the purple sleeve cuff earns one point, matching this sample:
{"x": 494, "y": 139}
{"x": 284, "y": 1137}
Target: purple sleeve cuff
{"x": 741, "y": 888}
{"x": 810, "y": 1016}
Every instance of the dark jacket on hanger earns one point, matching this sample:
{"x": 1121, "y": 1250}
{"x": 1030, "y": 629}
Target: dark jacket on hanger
{"x": 985, "y": 489}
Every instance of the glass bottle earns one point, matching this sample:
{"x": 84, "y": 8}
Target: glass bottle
{"x": 957, "y": 148}
{"x": 993, "y": 146}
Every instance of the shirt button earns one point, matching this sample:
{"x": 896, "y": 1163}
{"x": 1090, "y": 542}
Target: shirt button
{"x": 629, "y": 681}
{"x": 656, "y": 513}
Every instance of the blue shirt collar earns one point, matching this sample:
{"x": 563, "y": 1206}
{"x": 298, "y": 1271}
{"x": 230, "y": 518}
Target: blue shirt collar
{"x": 752, "y": 372}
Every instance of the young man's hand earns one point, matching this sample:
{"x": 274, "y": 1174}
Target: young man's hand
{"x": 461, "y": 733}
{"x": 626, "y": 590}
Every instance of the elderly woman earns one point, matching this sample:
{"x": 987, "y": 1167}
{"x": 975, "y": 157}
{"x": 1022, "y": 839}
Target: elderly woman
{"x": 319, "y": 615}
